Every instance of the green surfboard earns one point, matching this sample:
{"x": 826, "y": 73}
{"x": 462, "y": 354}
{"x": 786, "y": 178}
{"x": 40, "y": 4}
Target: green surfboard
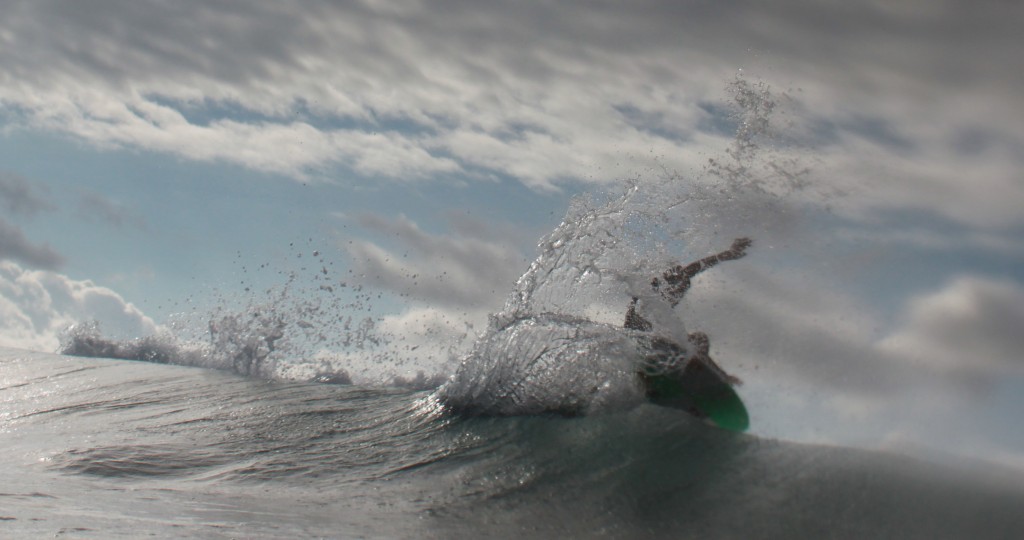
{"x": 700, "y": 391}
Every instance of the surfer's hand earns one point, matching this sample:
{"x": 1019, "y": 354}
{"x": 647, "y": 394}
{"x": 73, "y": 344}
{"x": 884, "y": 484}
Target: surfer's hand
{"x": 739, "y": 248}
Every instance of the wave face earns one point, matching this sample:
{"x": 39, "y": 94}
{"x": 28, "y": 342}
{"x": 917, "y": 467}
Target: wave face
{"x": 113, "y": 449}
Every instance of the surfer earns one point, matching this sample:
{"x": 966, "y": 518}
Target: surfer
{"x": 670, "y": 376}
{"x": 553, "y": 363}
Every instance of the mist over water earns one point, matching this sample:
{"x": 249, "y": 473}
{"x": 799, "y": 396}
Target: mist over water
{"x": 302, "y": 322}
{"x": 313, "y": 324}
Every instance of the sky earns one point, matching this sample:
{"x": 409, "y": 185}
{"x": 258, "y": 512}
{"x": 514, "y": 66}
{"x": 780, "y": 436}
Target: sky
{"x": 156, "y": 157}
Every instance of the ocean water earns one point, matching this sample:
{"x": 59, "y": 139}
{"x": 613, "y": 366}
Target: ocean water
{"x": 292, "y": 415}
{"x": 98, "y": 448}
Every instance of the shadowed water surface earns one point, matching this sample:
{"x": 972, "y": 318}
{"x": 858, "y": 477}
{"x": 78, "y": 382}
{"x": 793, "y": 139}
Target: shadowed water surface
{"x": 100, "y": 448}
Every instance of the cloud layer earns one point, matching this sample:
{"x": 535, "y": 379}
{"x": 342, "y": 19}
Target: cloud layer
{"x": 906, "y": 106}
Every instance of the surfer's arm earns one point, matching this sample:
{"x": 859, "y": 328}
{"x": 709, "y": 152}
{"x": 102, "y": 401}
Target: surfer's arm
{"x": 678, "y": 278}
{"x": 678, "y": 281}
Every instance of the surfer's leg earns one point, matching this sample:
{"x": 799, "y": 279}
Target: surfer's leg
{"x": 701, "y": 344}
{"x": 702, "y": 354}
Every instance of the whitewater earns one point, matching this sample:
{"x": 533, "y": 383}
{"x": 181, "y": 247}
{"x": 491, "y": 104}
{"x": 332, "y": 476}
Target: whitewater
{"x": 237, "y": 424}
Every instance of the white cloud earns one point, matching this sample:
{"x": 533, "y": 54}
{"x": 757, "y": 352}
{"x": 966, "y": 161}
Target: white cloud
{"x": 37, "y": 305}
{"x": 971, "y": 326}
{"x": 284, "y": 146}
{"x": 430, "y": 338}
{"x": 425, "y": 340}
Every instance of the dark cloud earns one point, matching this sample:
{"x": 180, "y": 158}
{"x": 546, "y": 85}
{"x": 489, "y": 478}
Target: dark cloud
{"x": 14, "y": 246}
{"x": 18, "y": 196}
{"x": 461, "y": 270}
{"x": 96, "y": 207}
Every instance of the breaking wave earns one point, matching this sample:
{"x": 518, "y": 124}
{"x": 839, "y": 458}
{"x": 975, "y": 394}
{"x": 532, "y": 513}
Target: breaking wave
{"x": 558, "y": 343}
